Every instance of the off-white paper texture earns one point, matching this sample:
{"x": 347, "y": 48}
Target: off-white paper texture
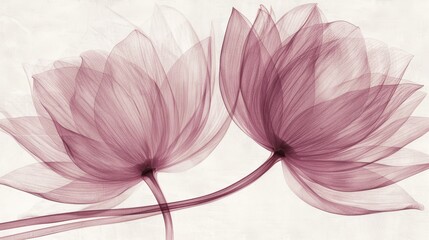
{"x": 47, "y": 30}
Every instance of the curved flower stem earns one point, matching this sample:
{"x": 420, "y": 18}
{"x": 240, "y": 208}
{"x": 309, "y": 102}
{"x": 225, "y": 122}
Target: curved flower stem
{"x": 151, "y": 181}
{"x": 126, "y": 214}
{"x": 76, "y": 225}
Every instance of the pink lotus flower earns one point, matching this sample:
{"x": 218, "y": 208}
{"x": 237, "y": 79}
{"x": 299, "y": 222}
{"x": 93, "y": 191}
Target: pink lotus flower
{"x": 329, "y": 103}
{"x": 325, "y": 101}
{"x": 109, "y": 120}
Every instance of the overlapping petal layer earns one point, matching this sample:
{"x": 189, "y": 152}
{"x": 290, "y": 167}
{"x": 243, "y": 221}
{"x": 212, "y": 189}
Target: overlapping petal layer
{"x": 107, "y": 117}
{"x": 330, "y": 101}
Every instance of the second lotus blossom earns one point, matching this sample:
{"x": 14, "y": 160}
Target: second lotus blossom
{"x": 330, "y": 103}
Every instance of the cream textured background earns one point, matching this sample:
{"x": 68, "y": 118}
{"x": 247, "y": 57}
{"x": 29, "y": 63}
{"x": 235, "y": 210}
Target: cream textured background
{"x": 47, "y": 29}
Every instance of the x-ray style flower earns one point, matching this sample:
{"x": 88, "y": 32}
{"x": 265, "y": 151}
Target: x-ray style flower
{"x": 329, "y": 103}
{"x": 109, "y": 120}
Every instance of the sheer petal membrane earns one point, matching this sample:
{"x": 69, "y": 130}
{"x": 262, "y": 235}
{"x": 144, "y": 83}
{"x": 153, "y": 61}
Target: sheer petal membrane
{"x": 105, "y": 118}
{"x": 331, "y": 104}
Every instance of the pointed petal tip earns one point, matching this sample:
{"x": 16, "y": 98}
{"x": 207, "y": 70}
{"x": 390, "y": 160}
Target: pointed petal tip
{"x": 237, "y": 16}
{"x": 312, "y": 5}
{"x": 418, "y": 206}
{"x": 136, "y": 31}
{"x": 263, "y": 8}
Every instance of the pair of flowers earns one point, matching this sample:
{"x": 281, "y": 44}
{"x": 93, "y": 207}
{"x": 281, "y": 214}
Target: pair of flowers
{"x": 326, "y": 102}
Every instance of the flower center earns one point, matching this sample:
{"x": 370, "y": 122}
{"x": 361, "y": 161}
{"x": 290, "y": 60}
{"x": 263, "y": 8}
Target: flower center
{"x": 284, "y": 150}
{"x": 145, "y": 168}
{"x": 146, "y": 171}
{"x": 280, "y": 152}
